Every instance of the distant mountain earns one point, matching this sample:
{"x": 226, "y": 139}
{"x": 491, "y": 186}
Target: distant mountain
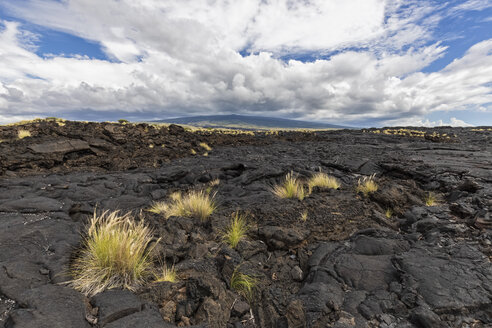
{"x": 248, "y": 122}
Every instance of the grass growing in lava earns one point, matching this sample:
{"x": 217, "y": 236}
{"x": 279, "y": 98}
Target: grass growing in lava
{"x": 324, "y": 181}
{"x": 290, "y": 188}
{"x": 198, "y": 204}
{"x": 236, "y": 230}
{"x": 23, "y": 134}
{"x": 166, "y": 274}
{"x": 430, "y": 199}
{"x": 367, "y": 185}
{"x": 244, "y": 284}
{"x": 115, "y": 254}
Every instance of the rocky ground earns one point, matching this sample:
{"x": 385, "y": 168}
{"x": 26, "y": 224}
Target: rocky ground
{"x": 347, "y": 265}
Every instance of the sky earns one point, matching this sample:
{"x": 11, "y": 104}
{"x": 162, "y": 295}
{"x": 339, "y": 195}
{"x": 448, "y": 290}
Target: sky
{"x": 354, "y": 62}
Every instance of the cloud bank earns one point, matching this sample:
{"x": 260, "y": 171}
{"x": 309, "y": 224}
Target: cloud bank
{"x": 176, "y": 58}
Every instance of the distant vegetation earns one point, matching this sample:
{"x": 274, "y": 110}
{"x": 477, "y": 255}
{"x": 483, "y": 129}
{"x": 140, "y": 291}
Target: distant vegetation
{"x": 23, "y": 134}
{"x": 205, "y": 146}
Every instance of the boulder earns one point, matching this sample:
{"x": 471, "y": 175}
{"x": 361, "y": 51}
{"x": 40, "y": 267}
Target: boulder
{"x": 61, "y": 146}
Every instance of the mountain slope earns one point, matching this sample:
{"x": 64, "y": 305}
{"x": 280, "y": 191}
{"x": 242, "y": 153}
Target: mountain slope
{"x": 248, "y": 122}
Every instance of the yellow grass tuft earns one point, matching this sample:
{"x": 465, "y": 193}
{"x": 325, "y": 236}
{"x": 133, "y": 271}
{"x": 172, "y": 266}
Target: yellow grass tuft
{"x": 205, "y": 146}
{"x": 176, "y": 195}
{"x": 430, "y": 199}
{"x": 23, "y": 134}
{"x": 304, "y": 216}
{"x": 244, "y": 284}
{"x": 115, "y": 254}
{"x": 324, "y": 181}
{"x": 193, "y": 152}
{"x": 158, "y": 207}
{"x": 214, "y": 182}
{"x": 388, "y": 213}
{"x": 167, "y": 274}
{"x": 198, "y": 204}
{"x": 237, "y": 230}
{"x": 211, "y": 185}
{"x": 291, "y": 188}
{"x": 367, "y": 185}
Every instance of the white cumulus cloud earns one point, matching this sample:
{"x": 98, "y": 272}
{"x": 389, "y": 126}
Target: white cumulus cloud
{"x": 173, "y": 58}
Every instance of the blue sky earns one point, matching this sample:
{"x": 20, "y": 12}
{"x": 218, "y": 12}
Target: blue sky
{"x": 357, "y": 62}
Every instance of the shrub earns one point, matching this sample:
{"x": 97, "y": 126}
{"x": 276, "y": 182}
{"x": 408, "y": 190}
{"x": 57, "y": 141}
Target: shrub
{"x": 430, "y": 199}
{"x": 194, "y": 204}
{"x": 324, "y": 181}
{"x": 23, "y": 134}
{"x": 291, "y": 188}
{"x": 244, "y": 284}
{"x": 115, "y": 254}
{"x": 236, "y": 230}
{"x": 122, "y": 121}
{"x": 167, "y": 274}
{"x": 367, "y": 185}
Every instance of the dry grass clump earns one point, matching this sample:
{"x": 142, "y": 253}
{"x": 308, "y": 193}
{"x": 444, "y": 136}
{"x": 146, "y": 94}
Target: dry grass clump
{"x": 304, "y": 216}
{"x": 23, "y": 134}
{"x": 158, "y": 207}
{"x": 481, "y": 129}
{"x": 115, "y": 254}
{"x": 324, "y": 181}
{"x": 401, "y": 132}
{"x": 175, "y": 195}
{"x": 367, "y": 185}
{"x": 205, "y": 146}
{"x": 236, "y": 230}
{"x": 244, "y": 284}
{"x": 211, "y": 185}
{"x": 291, "y": 188}
{"x": 214, "y": 182}
{"x": 166, "y": 274}
{"x": 388, "y": 213}
{"x": 430, "y": 199}
{"x": 198, "y": 204}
